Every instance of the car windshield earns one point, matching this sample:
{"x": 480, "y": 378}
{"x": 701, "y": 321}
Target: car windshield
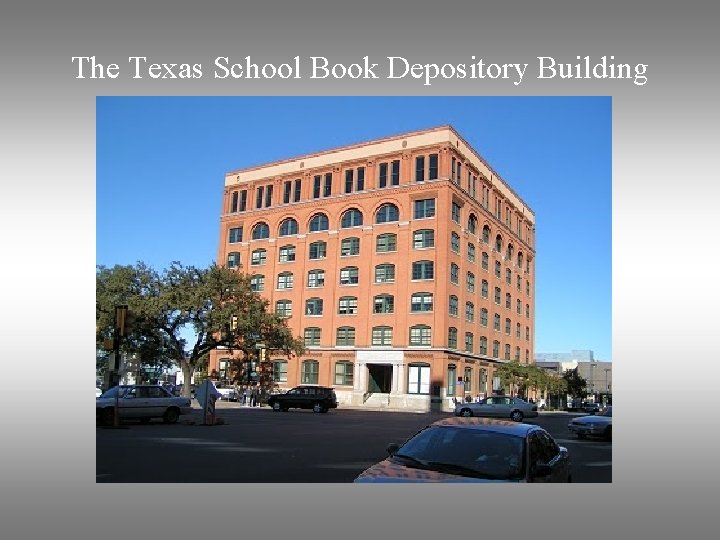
{"x": 465, "y": 452}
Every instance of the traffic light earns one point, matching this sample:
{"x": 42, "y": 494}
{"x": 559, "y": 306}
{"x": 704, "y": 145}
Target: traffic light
{"x": 126, "y": 324}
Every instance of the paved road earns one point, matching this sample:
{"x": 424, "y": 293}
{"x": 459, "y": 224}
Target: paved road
{"x": 259, "y": 445}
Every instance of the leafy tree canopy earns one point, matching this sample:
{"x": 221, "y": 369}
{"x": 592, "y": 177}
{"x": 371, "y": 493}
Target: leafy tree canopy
{"x": 214, "y": 305}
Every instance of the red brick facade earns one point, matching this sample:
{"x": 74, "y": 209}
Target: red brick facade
{"x": 395, "y": 262}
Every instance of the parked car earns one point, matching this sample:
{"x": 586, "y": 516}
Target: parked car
{"x": 498, "y": 407}
{"x": 473, "y": 450}
{"x": 142, "y": 402}
{"x": 228, "y": 393}
{"x": 318, "y": 398}
{"x": 590, "y": 407}
{"x": 596, "y": 425}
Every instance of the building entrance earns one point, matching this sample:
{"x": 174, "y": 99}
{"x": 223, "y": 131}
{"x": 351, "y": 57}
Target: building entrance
{"x": 380, "y": 378}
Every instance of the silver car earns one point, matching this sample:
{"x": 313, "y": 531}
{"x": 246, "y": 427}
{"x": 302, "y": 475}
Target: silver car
{"x": 498, "y": 407}
{"x": 596, "y": 425}
{"x": 142, "y": 402}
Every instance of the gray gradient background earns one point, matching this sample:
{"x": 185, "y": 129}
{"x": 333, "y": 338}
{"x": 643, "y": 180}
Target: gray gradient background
{"x": 665, "y": 286}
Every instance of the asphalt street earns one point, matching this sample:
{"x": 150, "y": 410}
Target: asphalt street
{"x": 258, "y": 445}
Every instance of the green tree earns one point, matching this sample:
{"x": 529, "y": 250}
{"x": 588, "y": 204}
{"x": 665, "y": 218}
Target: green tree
{"x": 185, "y": 312}
{"x": 576, "y": 385}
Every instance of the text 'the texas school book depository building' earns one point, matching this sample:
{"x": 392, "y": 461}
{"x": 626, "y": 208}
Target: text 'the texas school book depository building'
{"x": 406, "y": 264}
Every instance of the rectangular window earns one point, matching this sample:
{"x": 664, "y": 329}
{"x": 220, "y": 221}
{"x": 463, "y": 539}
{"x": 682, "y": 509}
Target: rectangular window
{"x": 343, "y": 373}
{"x": 360, "y": 179}
{"x": 451, "y": 380}
{"x": 433, "y": 167}
{"x": 235, "y": 235}
{"x": 298, "y": 188}
{"x": 287, "y": 188}
{"x": 316, "y": 187}
{"x": 419, "y": 380}
{"x": 280, "y": 371}
{"x": 234, "y": 203}
{"x": 424, "y": 208}
{"x": 386, "y": 243}
{"x": 259, "y": 196}
{"x": 395, "y": 173}
{"x": 349, "y": 181}
{"x": 456, "y": 212}
{"x": 286, "y": 254}
{"x": 382, "y": 175}
{"x": 309, "y": 372}
{"x": 424, "y": 238}
{"x": 349, "y": 276}
{"x": 423, "y": 270}
{"x": 317, "y": 250}
{"x": 420, "y": 169}
{"x": 468, "y": 379}
{"x": 268, "y": 196}
{"x": 328, "y": 185}
{"x": 350, "y": 246}
{"x": 243, "y": 200}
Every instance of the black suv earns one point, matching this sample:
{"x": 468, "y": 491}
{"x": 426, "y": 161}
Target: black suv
{"x": 318, "y": 398}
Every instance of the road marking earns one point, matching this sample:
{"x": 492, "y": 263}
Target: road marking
{"x": 597, "y": 464}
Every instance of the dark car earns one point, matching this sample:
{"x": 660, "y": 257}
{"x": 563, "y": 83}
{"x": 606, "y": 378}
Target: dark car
{"x": 591, "y": 408}
{"x": 318, "y": 398}
{"x": 473, "y": 450}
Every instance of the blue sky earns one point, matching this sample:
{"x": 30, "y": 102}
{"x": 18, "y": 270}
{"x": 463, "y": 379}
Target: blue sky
{"x": 161, "y": 163}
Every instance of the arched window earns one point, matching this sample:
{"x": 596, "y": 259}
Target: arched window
{"x": 285, "y": 280}
{"x": 486, "y": 234}
{"x": 382, "y": 336}
{"x": 452, "y": 337}
{"x": 288, "y": 226}
{"x": 261, "y": 231}
{"x": 510, "y": 252}
{"x": 345, "y": 336}
{"x": 520, "y": 259}
{"x": 258, "y": 257}
{"x": 386, "y": 213}
{"x": 498, "y": 243}
{"x": 472, "y": 224}
{"x": 351, "y": 218}
{"x": 319, "y": 222}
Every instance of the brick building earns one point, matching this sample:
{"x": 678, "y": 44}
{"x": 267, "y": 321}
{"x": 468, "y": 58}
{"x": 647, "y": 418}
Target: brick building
{"x": 405, "y": 263}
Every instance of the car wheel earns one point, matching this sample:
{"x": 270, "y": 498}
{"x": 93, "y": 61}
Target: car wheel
{"x": 516, "y": 416}
{"x": 276, "y": 406}
{"x": 317, "y": 407}
{"x": 608, "y": 433}
{"x": 171, "y": 415}
{"x": 466, "y": 413}
{"x": 107, "y": 417}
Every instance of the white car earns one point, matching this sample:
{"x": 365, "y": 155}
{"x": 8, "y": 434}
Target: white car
{"x": 498, "y": 407}
{"x": 595, "y": 425}
{"x": 142, "y": 402}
